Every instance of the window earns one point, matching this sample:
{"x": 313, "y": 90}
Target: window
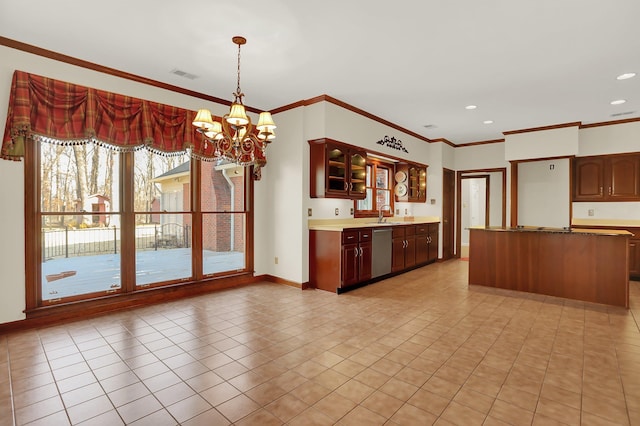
{"x": 101, "y": 210}
{"x": 163, "y": 218}
{"x": 378, "y": 190}
{"x": 114, "y": 203}
{"x": 79, "y": 248}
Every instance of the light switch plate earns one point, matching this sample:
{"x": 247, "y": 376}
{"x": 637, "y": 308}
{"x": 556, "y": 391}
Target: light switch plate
{"x": 309, "y": 212}
{"x": 337, "y": 211}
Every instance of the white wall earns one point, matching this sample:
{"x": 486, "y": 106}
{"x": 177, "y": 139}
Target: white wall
{"x": 279, "y": 221}
{"x": 495, "y": 199}
{"x": 12, "y": 281}
{"x": 544, "y": 195}
{"x": 542, "y": 144}
{"x": 616, "y": 139}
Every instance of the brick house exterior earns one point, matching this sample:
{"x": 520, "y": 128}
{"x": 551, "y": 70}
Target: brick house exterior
{"x": 221, "y": 232}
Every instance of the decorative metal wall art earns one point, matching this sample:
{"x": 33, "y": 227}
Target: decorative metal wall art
{"x": 392, "y": 142}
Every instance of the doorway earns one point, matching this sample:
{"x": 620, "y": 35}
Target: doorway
{"x": 480, "y": 201}
{"x": 475, "y": 207}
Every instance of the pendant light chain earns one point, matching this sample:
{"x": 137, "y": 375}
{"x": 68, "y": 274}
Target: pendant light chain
{"x": 238, "y": 93}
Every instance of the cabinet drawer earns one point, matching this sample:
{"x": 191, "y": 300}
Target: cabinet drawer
{"x": 350, "y": 236}
{"x": 398, "y": 232}
{"x": 422, "y": 229}
{"x": 410, "y": 230}
{"x": 365, "y": 235}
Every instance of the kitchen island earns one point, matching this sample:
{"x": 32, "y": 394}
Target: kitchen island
{"x": 582, "y": 264}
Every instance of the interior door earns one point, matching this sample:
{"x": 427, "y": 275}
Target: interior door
{"x": 448, "y": 204}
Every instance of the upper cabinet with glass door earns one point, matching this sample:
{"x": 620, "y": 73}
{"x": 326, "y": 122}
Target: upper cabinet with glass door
{"x": 411, "y": 183}
{"x": 337, "y": 170}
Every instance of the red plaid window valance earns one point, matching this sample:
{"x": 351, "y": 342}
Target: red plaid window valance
{"x": 57, "y": 111}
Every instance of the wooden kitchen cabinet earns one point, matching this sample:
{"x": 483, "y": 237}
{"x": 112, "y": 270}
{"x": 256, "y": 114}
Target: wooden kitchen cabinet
{"x": 426, "y": 243}
{"x": 433, "y": 242}
{"x": 356, "y": 256}
{"x": 337, "y": 170}
{"x": 607, "y": 178}
{"x": 422, "y": 243}
{"x": 634, "y": 247}
{"x": 403, "y": 247}
{"x": 417, "y": 184}
{"x": 339, "y": 259}
{"x": 414, "y": 179}
{"x": 343, "y": 260}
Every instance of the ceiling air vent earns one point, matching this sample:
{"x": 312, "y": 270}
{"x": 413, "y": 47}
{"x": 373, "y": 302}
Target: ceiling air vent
{"x": 618, "y": 114}
{"x": 184, "y": 74}
{"x": 429, "y": 126}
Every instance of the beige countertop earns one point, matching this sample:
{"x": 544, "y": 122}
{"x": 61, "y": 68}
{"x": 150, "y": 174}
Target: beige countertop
{"x": 368, "y": 222}
{"x": 588, "y": 231}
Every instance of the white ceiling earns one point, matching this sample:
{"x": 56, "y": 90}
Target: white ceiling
{"x": 524, "y": 63}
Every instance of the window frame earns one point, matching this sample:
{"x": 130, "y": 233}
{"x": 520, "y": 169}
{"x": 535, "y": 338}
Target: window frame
{"x": 375, "y": 163}
{"x": 103, "y": 301}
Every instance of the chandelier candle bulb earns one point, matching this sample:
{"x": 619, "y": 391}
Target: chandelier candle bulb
{"x": 235, "y": 139}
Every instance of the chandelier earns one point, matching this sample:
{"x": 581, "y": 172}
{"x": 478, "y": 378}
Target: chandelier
{"x": 234, "y": 138}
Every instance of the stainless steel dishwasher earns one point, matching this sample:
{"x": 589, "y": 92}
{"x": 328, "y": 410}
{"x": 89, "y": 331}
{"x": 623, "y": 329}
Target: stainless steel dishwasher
{"x": 381, "y": 248}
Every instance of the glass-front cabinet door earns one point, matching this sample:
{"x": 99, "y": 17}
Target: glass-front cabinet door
{"x": 336, "y": 169}
{"x": 417, "y": 184}
{"x": 358, "y": 175}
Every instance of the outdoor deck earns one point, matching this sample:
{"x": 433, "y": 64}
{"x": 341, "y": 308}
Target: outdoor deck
{"x": 101, "y": 272}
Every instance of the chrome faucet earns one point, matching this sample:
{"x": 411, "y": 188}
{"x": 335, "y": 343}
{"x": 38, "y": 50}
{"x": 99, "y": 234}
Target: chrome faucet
{"x": 380, "y": 211}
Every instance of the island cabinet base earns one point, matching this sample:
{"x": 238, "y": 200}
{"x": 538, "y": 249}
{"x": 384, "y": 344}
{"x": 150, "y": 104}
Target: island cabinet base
{"x": 591, "y": 267}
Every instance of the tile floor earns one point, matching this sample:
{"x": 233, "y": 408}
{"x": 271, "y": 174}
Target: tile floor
{"x": 417, "y": 349}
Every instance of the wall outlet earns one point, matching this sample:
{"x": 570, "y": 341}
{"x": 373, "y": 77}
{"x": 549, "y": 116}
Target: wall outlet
{"x": 309, "y": 212}
{"x": 275, "y": 260}
{"x": 406, "y": 212}
{"x": 591, "y": 212}
{"x": 351, "y": 211}
{"x": 337, "y": 211}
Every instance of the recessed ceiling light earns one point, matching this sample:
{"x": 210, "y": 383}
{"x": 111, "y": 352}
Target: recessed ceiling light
{"x": 470, "y": 107}
{"x": 488, "y": 121}
{"x": 626, "y": 76}
{"x": 618, "y": 102}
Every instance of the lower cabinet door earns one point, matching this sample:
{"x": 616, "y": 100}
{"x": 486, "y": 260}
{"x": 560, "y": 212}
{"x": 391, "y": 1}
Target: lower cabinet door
{"x": 366, "y": 258}
{"x": 410, "y": 252}
{"x": 433, "y": 242}
{"x": 397, "y": 255}
{"x": 422, "y": 249}
{"x": 350, "y": 261}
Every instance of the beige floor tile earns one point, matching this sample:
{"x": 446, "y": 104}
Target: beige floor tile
{"x": 511, "y": 414}
{"x": 418, "y": 348}
{"x": 461, "y": 414}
